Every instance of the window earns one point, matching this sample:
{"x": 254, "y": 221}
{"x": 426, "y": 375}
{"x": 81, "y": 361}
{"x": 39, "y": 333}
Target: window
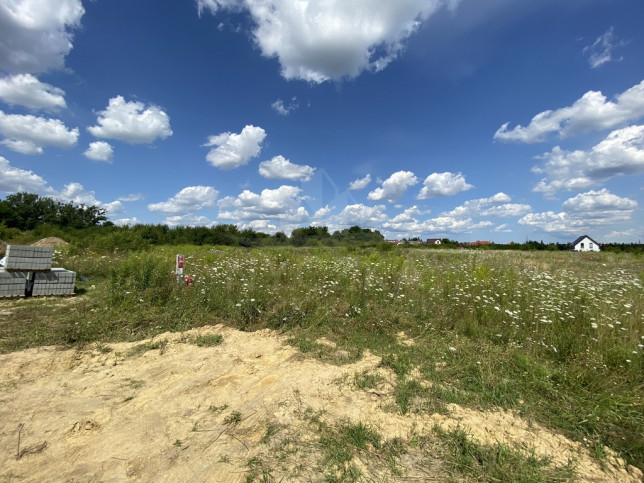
{"x": 590, "y": 245}
{"x": 582, "y": 245}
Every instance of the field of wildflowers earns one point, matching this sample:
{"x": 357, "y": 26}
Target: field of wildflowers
{"x": 558, "y": 337}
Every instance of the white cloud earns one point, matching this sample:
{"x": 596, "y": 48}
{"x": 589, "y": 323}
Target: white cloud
{"x": 600, "y": 207}
{"x": 234, "y": 150}
{"x": 14, "y": 180}
{"x": 26, "y": 90}
{"x": 100, "y": 151}
{"x": 319, "y": 41}
{"x": 507, "y": 210}
{"x": 127, "y": 221}
{"x": 281, "y": 168}
{"x": 187, "y": 201}
{"x": 189, "y": 219}
{"x": 394, "y": 187}
{"x": 443, "y": 184}
{"x": 282, "y": 204}
{"x": 601, "y": 51}
{"x": 284, "y": 109}
{"x": 621, "y": 153}
{"x": 28, "y": 134}
{"x": 131, "y": 122}
{"x": 263, "y": 226}
{"x": 448, "y": 224}
{"x": 503, "y": 228}
{"x": 76, "y": 193}
{"x": 584, "y": 211}
{"x": 361, "y": 215}
{"x": 591, "y": 112}
{"x": 360, "y": 183}
{"x": 475, "y": 207}
{"x": 22, "y": 147}
{"x": 132, "y": 197}
{"x": 35, "y": 35}
{"x": 322, "y": 212}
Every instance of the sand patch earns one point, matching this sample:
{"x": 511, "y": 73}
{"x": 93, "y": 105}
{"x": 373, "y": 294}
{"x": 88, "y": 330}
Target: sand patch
{"x": 189, "y": 413}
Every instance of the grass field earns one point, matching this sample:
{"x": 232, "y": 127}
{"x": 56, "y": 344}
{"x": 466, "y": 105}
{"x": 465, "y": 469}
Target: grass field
{"x": 557, "y": 337}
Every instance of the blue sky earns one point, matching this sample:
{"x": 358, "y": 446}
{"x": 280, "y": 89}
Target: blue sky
{"x": 502, "y": 120}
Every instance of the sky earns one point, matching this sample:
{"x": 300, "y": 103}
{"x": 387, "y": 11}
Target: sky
{"x": 503, "y": 120}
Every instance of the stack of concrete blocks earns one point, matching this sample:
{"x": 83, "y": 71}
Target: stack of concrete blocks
{"x": 29, "y": 259}
{"x": 13, "y": 284}
{"x": 28, "y": 272}
{"x": 58, "y": 281}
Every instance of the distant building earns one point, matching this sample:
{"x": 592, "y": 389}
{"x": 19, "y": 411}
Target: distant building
{"x": 395, "y": 242}
{"x": 585, "y": 244}
{"x": 434, "y": 241}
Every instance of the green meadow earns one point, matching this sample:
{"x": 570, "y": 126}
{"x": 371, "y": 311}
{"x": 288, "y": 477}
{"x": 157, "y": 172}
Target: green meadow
{"x": 556, "y": 336}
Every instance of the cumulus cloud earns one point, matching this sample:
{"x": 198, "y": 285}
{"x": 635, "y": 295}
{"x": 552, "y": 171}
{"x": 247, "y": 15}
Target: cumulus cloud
{"x": 443, "y": 184}
{"x": 234, "y": 150}
{"x": 582, "y": 212}
{"x": 361, "y": 215}
{"x": 599, "y": 207}
{"x": 282, "y": 204}
{"x": 591, "y": 112}
{"x": 601, "y": 50}
{"x": 189, "y": 219}
{"x": 322, "y": 212}
{"x": 621, "y": 153}
{"x": 131, "y": 122}
{"x": 100, "y": 151}
{"x": 188, "y": 200}
{"x": 26, "y": 90}
{"x": 319, "y": 41}
{"x": 281, "y": 168}
{"x": 76, "y": 193}
{"x": 394, "y": 187}
{"x": 496, "y": 205}
{"x": 285, "y": 108}
{"x": 127, "y": 221}
{"x": 360, "y": 183}
{"x": 36, "y": 35}
{"x": 28, "y": 134}
{"x": 14, "y": 180}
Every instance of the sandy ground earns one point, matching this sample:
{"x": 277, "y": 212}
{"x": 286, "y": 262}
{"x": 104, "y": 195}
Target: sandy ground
{"x": 165, "y": 415}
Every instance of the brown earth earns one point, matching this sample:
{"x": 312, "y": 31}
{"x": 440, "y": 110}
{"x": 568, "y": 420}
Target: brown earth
{"x": 180, "y": 412}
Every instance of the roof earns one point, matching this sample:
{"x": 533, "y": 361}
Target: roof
{"x": 581, "y": 238}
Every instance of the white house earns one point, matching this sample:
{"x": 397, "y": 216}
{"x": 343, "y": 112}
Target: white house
{"x": 585, "y": 244}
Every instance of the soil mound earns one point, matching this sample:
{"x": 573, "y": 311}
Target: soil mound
{"x": 51, "y": 241}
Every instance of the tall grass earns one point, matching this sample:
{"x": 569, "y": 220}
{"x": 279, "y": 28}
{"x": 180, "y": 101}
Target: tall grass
{"x": 556, "y": 336}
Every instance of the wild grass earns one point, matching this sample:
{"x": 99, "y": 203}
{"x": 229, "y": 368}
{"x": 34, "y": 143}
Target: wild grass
{"x": 558, "y": 337}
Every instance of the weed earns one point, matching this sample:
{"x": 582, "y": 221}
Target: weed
{"x": 177, "y": 443}
{"x": 271, "y": 430}
{"x": 497, "y": 462}
{"x": 209, "y": 340}
{"x": 366, "y": 380}
{"x": 233, "y": 419}
{"x": 218, "y": 409}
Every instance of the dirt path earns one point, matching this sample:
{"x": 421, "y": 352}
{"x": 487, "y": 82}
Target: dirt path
{"x": 186, "y": 413}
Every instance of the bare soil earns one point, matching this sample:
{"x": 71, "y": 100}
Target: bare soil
{"x": 180, "y": 412}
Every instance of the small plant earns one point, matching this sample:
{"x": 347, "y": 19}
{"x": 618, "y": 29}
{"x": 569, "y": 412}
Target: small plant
{"x": 177, "y": 443}
{"x": 103, "y": 349}
{"x": 233, "y": 419}
{"x": 209, "y": 340}
{"x": 366, "y": 380}
{"x": 218, "y": 409}
{"x": 271, "y": 430}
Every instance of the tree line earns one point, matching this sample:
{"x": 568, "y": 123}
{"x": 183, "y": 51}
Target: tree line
{"x": 88, "y": 226}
